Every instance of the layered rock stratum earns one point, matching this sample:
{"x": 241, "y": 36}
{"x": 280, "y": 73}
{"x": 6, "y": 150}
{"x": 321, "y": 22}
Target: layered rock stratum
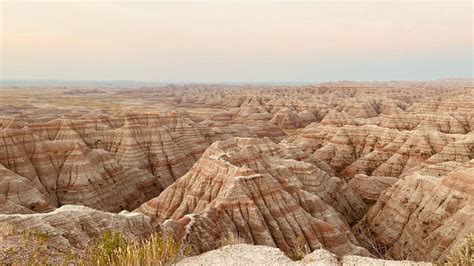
{"x": 381, "y": 169}
{"x": 243, "y": 187}
{"x": 106, "y": 163}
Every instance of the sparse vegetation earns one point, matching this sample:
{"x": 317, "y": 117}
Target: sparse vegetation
{"x": 104, "y": 251}
{"x": 22, "y": 247}
{"x": 30, "y": 247}
{"x": 113, "y": 249}
{"x": 232, "y": 239}
{"x": 6, "y": 229}
{"x": 39, "y": 237}
{"x": 464, "y": 254}
{"x": 299, "y": 249}
{"x": 370, "y": 242}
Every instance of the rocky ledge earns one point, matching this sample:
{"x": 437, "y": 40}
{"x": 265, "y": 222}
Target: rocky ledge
{"x": 244, "y": 254}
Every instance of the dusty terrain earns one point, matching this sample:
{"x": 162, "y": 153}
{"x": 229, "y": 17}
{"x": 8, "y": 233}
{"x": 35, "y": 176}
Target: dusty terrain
{"x": 375, "y": 169}
{"x": 243, "y": 254}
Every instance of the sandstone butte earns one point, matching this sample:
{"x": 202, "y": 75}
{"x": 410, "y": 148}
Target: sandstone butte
{"x": 381, "y": 169}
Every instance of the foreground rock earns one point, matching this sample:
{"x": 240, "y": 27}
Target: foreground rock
{"x": 68, "y": 230}
{"x": 243, "y": 254}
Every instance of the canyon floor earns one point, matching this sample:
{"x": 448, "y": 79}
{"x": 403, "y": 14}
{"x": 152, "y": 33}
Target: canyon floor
{"x": 349, "y": 172}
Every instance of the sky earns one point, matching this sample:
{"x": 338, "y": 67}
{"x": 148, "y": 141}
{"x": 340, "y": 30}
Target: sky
{"x": 236, "y": 41}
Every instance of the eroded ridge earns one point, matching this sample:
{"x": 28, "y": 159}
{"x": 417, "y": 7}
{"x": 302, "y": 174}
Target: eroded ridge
{"x": 369, "y": 168}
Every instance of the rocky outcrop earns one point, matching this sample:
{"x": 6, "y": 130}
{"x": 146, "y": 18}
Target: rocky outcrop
{"x": 106, "y": 163}
{"x": 449, "y": 122}
{"x": 241, "y": 187}
{"x": 423, "y": 215}
{"x": 288, "y": 119}
{"x": 67, "y": 231}
{"x": 242, "y": 254}
{"x": 369, "y": 188}
{"x": 374, "y": 151}
{"x": 18, "y": 195}
{"x": 382, "y": 165}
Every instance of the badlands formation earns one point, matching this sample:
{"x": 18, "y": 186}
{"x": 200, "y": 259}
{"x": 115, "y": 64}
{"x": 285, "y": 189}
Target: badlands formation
{"x": 347, "y": 170}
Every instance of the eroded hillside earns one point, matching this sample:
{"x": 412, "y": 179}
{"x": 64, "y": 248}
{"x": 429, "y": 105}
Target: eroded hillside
{"x": 373, "y": 169}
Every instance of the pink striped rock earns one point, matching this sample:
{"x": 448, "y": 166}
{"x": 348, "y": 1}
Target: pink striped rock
{"x": 241, "y": 187}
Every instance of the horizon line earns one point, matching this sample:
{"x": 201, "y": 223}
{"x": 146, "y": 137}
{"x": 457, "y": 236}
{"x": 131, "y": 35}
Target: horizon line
{"x": 46, "y": 80}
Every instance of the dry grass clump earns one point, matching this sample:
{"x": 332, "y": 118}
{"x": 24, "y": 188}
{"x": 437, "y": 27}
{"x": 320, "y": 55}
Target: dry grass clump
{"x": 464, "y": 254}
{"x": 113, "y": 249}
{"x": 6, "y": 229}
{"x": 299, "y": 249}
{"x": 232, "y": 239}
{"x": 31, "y": 247}
{"x": 104, "y": 250}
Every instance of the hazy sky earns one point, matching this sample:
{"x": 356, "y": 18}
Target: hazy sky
{"x": 213, "y": 42}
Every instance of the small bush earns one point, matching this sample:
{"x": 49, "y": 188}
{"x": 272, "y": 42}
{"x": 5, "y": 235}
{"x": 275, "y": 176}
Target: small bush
{"x": 464, "y": 254}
